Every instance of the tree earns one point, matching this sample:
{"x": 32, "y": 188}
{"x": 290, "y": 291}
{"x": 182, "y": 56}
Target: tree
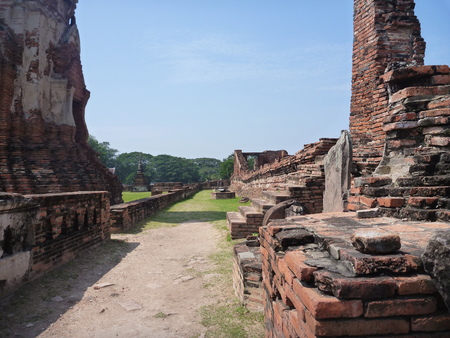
{"x": 127, "y": 165}
{"x": 175, "y": 169}
{"x": 227, "y": 167}
{"x": 107, "y": 155}
{"x": 208, "y": 168}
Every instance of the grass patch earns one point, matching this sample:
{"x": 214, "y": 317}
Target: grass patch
{"x": 199, "y": 208}
{"x": 231, "y": 320}
{"x": 161, "y": 314}
{"x": 129, "y": 196}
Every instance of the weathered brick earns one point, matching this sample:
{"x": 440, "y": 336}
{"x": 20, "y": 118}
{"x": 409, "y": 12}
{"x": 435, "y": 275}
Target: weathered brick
{"x": 357, "y": 327}
{"x": 400, "y": 307}
{"x": 295, "y": 261}
{"x": 418, "y": 284}
{"x": 355, "y": 287}
{"x": 323, "y": 306}
{"x": 390, "y": 202}
{"x": 433, "y": 323}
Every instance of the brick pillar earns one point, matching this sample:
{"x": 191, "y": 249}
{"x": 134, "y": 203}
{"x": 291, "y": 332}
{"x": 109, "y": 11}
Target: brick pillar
{"x": 386, "y": 35}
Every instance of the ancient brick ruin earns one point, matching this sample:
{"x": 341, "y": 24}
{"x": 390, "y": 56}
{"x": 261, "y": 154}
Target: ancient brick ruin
{"x": 140, "y": 182}
{"x": 386, "y": 183}
{"x": 386, "y": 36}
{"x": 43, "y": 134}
{"x": 56, "y": 194}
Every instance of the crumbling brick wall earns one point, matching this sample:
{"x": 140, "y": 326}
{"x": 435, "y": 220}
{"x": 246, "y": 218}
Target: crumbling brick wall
{"x": 43, "y": 134}
{"x": 316, "y": 284}
{"x": 386, "y": 36}
{"x": 40, "y": 232}
{"x": 413, "y": 179}
{"x": 304, "y": 169}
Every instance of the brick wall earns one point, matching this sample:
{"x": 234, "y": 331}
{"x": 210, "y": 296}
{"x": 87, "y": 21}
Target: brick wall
{"x": 304, "y": 170}
{"x": 412, "y": 181}
{"x": 41, "y": 232}
{"x": 68, "y": 224}
{"x": 43, "y": 134}
{"x": 315, "y": 283}
{"x": 126, "y": 215}
{"x": 386, "y": 35}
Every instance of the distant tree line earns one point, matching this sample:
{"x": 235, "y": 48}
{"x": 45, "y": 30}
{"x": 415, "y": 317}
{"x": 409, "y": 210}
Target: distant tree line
{"x": 162, "y": 168}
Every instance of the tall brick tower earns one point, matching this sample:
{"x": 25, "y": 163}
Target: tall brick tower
{"x": 43, "y": 134}
{"x": 386, "y": 36}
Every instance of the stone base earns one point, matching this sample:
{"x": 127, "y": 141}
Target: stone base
{"x": 218, "y": 195}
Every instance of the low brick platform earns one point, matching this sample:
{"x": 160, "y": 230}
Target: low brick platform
{"x": 222, "y": 195}
{"x": 315, "y": 283}
{"x": 247, "y": 276}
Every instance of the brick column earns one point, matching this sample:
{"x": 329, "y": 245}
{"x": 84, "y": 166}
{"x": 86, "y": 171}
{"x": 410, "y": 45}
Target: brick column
{"x": 386, "y": 35}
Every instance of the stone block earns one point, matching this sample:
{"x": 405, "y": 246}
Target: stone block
{"x": 375, "y": 241}
{"x": 436, "y": 260}
{"x": 338, "y": 165}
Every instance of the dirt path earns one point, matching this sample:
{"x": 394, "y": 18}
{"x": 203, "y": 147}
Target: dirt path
{"x": 159, "y": 282}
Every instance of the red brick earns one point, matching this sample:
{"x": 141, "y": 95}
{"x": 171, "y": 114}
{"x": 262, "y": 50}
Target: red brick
{"x": 435, "y": 113}
{"x": 418, "y": 91}
{"x": 400, "y": 125}
{"x": 390, "y": 202}
{"x": 300, "y": 326}
{"x": 295, "y": 302}
{"x": 323, "y": 306}
{"x": 401, "y": 307}
{"x": 279, "y": 311}
{"x": 423, "y": 202}
{"x": 439, "y": 141}
{"x": 419, "y": 284}
{"x": 355, "y": 287}
{"x": 295, "y": 262}
{"x": 439, "y": 103}
{"x": 433, "y": 323}
{"x": 357, "y": 327}
{"x": 368, "y": 201}
{"x": 285, "y": 271}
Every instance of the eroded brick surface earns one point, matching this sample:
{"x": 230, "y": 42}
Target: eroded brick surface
{"x": 43, "y": 134}
{"x": 369, "y": 295}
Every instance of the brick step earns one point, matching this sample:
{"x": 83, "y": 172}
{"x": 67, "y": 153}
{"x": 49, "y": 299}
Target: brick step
{"x": 262, "y": 205}
{"x": 240, "y": 227}
{"x": 276, "y": 197}
{"x": 250, "y": 212}
{"x": 235, "y": 218}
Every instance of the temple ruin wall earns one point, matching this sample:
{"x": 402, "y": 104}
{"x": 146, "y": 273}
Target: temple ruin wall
{"x": 47, "y": 230}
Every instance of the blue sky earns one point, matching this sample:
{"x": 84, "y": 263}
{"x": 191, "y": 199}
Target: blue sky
{"x": 201, "y": 78}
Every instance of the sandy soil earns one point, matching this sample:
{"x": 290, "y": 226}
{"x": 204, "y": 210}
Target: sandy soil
{"x": 158, "y": 282}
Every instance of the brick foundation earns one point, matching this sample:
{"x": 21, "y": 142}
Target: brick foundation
{"x": 321, "y": 286}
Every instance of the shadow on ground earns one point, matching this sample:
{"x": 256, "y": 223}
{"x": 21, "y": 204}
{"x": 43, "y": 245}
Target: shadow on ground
{"x": 37, "y": 305}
